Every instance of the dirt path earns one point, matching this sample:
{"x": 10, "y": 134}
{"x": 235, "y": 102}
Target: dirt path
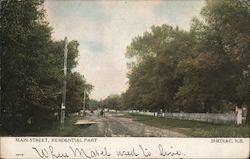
{"x": 129, "y": 127}
{"x": 118, "y": 126}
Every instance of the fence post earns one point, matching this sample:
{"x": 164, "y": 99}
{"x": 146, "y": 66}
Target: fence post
{"x": 238, "y": 112}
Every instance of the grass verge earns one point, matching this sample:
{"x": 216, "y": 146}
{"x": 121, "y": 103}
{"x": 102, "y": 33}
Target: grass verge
{"x": 54, "y": 129}
{"x": 194, "y": 128}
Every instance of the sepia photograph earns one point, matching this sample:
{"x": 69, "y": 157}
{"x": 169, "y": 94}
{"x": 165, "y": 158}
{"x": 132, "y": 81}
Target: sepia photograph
{"x": 157, "y": 69}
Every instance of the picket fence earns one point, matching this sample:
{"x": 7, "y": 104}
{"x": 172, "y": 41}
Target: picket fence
{"x": 205, "y": 117}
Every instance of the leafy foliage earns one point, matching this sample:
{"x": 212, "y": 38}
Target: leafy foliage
{"x": 31, "y": 68}
{"x": 112, "y": 102}
{"x": 199, "y": 70}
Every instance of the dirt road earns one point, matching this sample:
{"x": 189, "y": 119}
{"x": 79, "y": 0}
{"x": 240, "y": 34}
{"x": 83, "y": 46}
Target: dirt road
{"x": 115, "y": 125}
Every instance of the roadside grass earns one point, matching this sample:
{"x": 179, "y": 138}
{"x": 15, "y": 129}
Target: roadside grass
{"x": 193, "y": 128}
{"x": 54, "y": 129}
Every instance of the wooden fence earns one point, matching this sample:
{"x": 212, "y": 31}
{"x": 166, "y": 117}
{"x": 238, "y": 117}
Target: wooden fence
{"x": 205, "y": 117}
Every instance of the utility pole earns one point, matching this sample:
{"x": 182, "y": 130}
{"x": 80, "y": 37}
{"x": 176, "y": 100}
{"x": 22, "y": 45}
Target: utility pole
{"x": 63, "y": 106}
{"x": 1, "y": 108}
{"x": 84, "y": 100}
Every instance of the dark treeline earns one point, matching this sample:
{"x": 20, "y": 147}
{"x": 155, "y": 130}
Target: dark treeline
{"x": 113, "y": 101}
{"x": 32, "y": 69}
{"x": 205, "y": 69}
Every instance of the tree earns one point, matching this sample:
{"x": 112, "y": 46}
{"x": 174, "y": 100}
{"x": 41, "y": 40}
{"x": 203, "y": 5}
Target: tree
{"x": 230, "y": 21}
{"x": 112, "y": 102}
{"x": 24, "y": 36}
{"x": 31, "y": 68}
{"x": 206, "y": 83}
{"x": 75, "y": 92}
{"x": 195, "y": 71}
{"x": 94, "y": 104}
{"x": 153, "y": 72}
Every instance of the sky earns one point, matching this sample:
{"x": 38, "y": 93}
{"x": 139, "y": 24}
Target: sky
{"x": 105, "y": 28}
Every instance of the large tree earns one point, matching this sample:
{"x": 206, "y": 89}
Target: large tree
{"x": 230, "y": 21}
{"x": 195, "y": 71}
{"x": 31, "y": 67}
{"x": 77, "y": 89}
{"x": 155, "y": 56}
{"x": 24, "y": 40}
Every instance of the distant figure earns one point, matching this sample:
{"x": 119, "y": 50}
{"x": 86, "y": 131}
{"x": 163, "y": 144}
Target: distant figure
{"x": 102, "y": 113}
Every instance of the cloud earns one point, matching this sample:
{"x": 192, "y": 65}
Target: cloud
{"x": 93, "y": 46}
{"x": 105, "y": 28}
{"x": 178, "y": 12}
{"x": 89, "y": 10}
